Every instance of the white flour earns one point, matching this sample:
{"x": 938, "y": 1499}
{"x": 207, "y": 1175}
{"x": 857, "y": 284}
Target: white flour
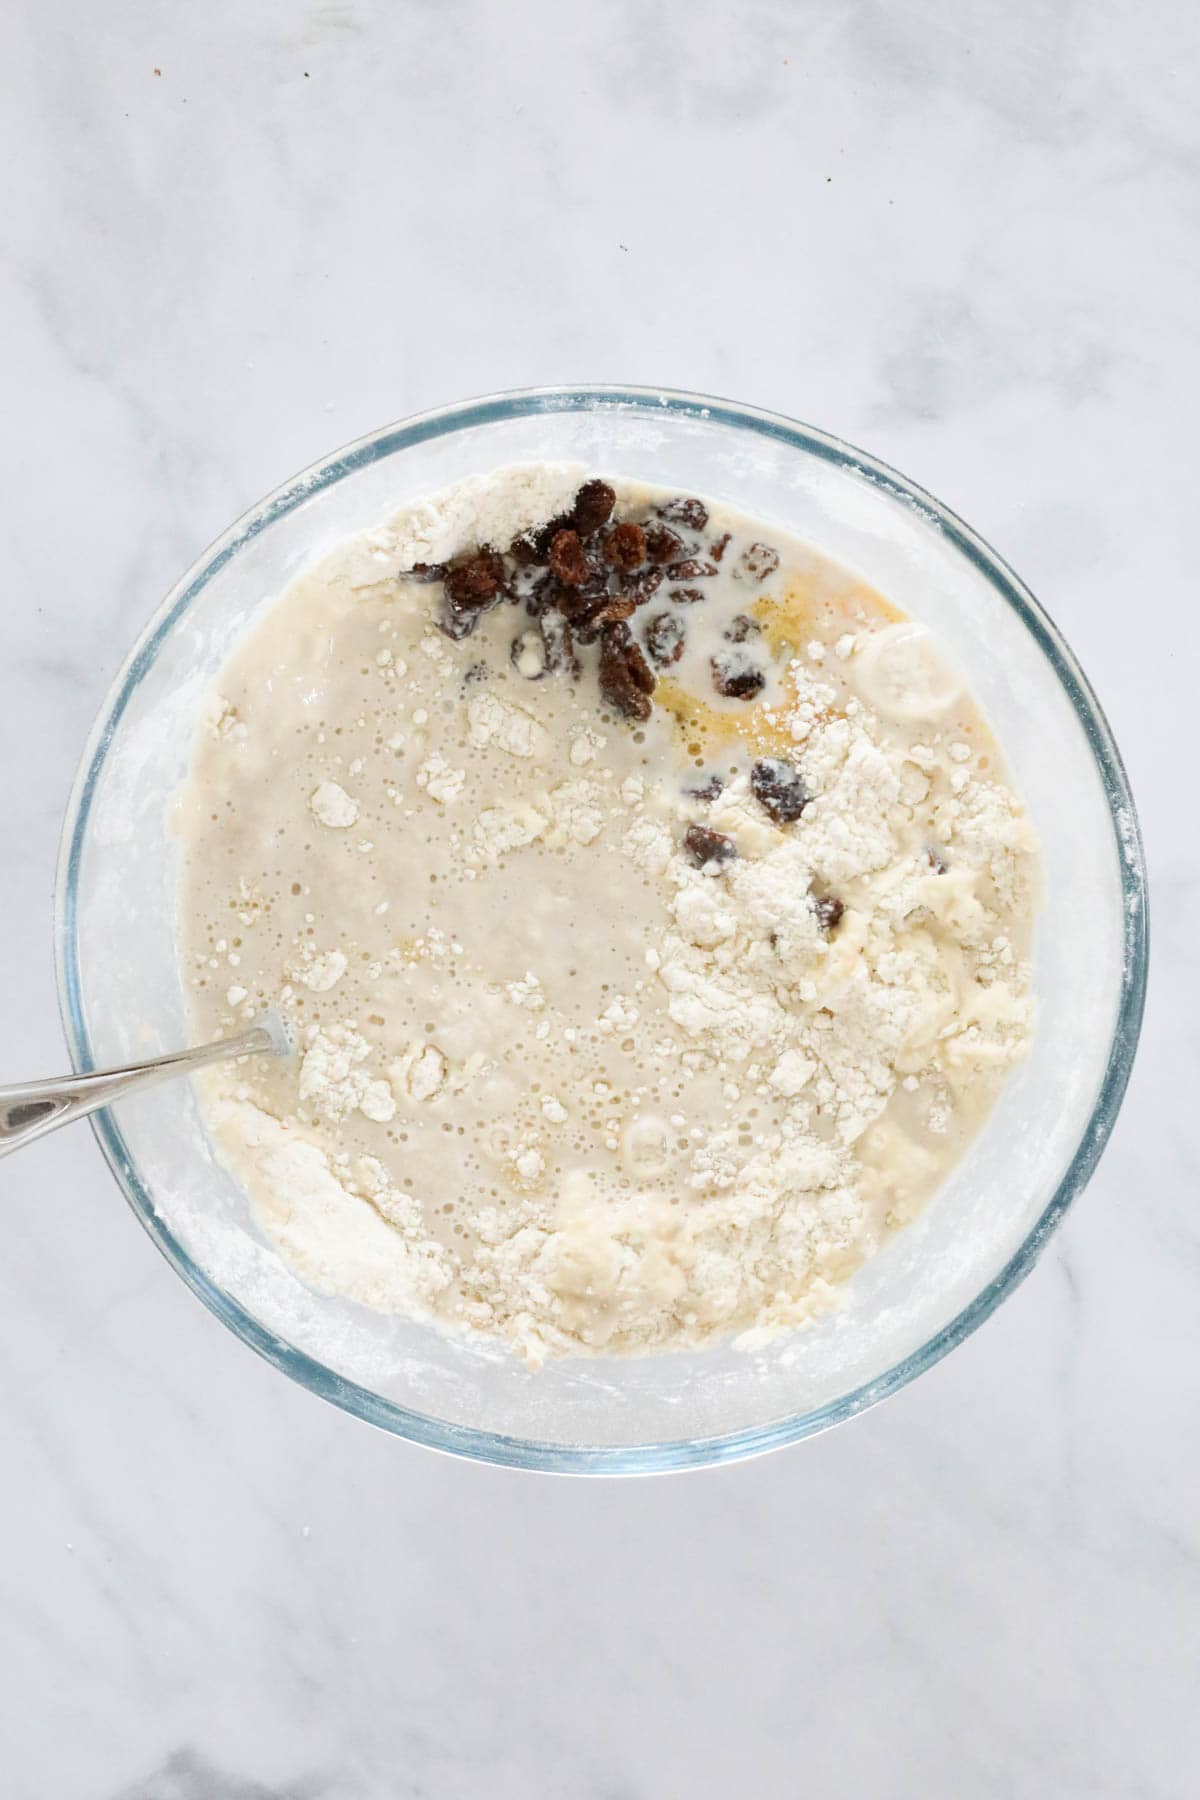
{"x": 484, "y": 509}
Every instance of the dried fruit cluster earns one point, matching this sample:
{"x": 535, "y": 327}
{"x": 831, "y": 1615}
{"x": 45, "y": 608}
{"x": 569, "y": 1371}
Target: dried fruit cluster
{"x": 583, "y": 575}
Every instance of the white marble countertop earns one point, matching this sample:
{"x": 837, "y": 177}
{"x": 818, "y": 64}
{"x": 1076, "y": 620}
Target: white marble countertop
{"x": 960, "y": 234}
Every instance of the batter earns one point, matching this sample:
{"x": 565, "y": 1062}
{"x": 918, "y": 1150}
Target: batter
{"x": 647, "y": 900}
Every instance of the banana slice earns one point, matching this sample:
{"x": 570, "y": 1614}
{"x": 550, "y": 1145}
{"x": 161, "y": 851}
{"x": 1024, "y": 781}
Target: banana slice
{"x": 902, "y": 673}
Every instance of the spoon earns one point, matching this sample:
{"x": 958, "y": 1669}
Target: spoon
{"x": 33, "y": 1108}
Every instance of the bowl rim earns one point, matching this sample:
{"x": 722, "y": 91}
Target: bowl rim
{"x": 526, "y": 1453}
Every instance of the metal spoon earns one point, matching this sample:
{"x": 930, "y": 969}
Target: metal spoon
{"x": 33, "y": 1108}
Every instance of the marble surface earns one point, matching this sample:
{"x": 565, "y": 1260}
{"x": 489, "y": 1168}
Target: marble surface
{"x": 961, "y": 234}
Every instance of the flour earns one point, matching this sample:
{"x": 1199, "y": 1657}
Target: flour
{"x": 333, "y": 1082}
{"x": 422, "y": 1073}
{"x": 319, "y": 970}
{"x": 499, "y": 829}
{"x": 484, "y": 509}
{"x": 527, "y": 992}
{"x": 440, "y": 780}
{"x": 332, "y": 806}
{"x": 614, "y": 1035}
{"x": 339, "y": 1241}
{"x": 492, "y": 721}
{"x": 578, "y": 810}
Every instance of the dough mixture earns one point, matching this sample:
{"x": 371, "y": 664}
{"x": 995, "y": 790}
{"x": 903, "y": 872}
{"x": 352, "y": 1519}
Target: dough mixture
{"x": 645, "y": 896}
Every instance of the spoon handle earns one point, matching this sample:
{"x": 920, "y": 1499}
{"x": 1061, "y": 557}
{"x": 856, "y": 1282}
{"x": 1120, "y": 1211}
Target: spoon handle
{"x": 33, "y": 1108}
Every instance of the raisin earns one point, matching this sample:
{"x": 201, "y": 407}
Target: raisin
{"x": 616, "y": 608}
{"x": 719, "y": 546}
{"x": 545, "y": 534}
{"x": 626, "y": 678}
{"x": 593, "y": 505}
{"x": 664, "y": 638}
{"x": 712, "y": 789}
{"x": 692, "y": 568}
{"x": 662, "y": 544}
{"x": 583, "y": 619}
{"x": 560, "y": 646}
{"x": 532, "y": 547}
{"x": 426, "y": 572}
{"x": 455, "y": 622}
{"x": 538, "y": 542}
{"x": 779, "y": 789}
{"x": 687, "y": 596}
{"x": 684, "y": 511}
{"x": 476, "y": 582}
{"x": 469, "y": 589}
{"x": 589, "y": 607}
{"x": 705, "y": 846}
{"x": 544, "y": 649}
{"x": 936, "y": 860}
{"x": 829, "y": 910}
{"x": 740, "y": 628}
{"x": 642, "y": 586}
{"x": 642, "y": 672}
{"x": 737, "y": 677}
{"x": 527, "y": 653}
{"x": 625, "y": 548}
{"x": 545, "y": 593}
{"x": 567, "y": 558}
{"x": 756, "y": 562}
{"x": 551, "y": 596}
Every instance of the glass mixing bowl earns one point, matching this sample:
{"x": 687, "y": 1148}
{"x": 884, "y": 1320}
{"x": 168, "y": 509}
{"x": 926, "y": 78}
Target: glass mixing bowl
{"x": 123, "y": 996}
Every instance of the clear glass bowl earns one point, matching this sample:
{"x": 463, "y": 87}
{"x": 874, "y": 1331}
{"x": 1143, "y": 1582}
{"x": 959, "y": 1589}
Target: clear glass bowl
{"x": 122, "y": 993}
